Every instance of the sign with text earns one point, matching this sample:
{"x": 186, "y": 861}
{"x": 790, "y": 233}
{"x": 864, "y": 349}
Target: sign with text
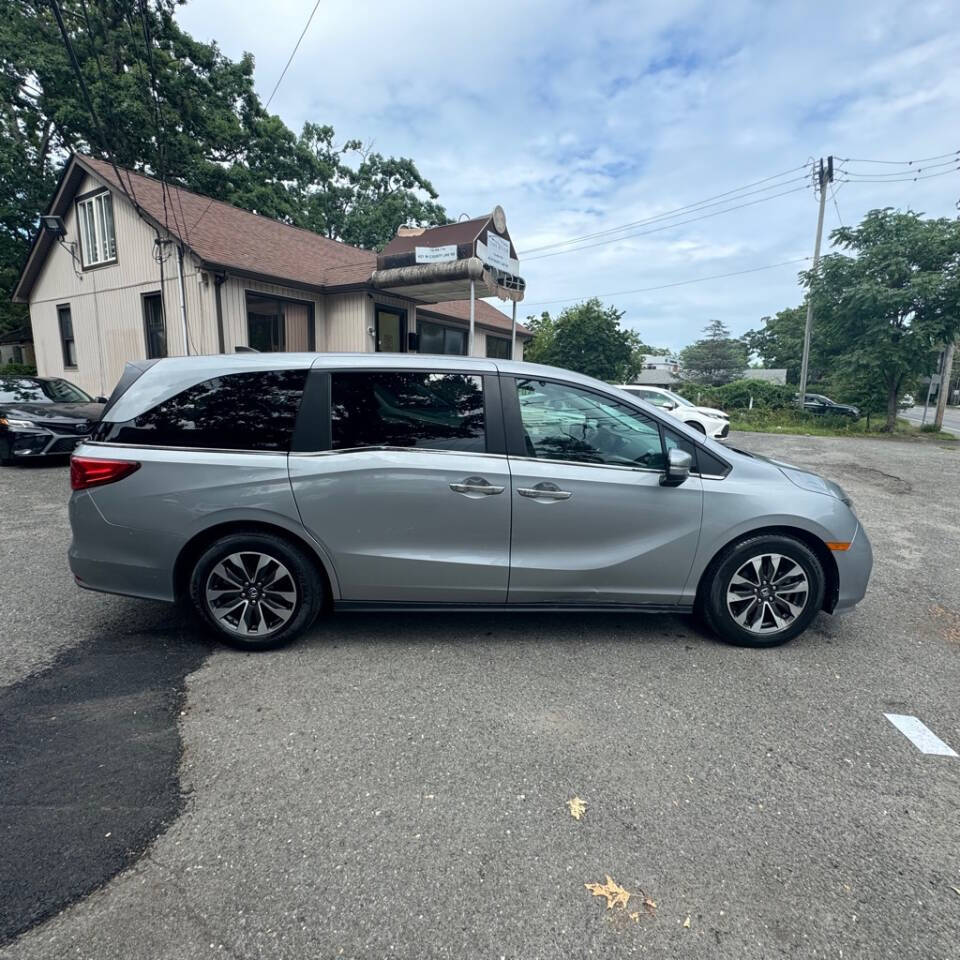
{"x": 498, "y": 252}
{"x": 437, "y": 254}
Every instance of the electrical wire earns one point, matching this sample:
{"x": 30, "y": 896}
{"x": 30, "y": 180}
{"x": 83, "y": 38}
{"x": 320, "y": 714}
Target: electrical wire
{"x": 898, "y": 163}
{"x": 690, "y": 207}
{"x": 953, "y": 161}
{"x": 292, "y": 55}
{"x": 669, "y": 226}
{"x": 667, "y": 286}
{"x": 930, "y": 176}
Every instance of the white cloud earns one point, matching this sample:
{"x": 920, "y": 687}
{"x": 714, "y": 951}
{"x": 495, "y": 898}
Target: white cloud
{"x": 579, "y": 117}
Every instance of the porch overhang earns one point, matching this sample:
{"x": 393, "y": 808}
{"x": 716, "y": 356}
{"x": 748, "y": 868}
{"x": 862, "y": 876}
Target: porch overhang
{"x": 439, "y": 282}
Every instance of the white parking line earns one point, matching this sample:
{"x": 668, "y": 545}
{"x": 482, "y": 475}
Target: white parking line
{"x": 920, "y": 735}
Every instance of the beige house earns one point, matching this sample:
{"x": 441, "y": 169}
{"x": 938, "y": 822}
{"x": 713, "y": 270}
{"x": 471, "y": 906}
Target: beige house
{"x": 17, "y": 347}
{"x": 130, "y": 268}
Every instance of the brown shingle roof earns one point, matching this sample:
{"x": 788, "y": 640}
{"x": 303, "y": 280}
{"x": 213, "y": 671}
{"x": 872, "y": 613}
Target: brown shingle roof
{"x": 463, "y": 231}
{"x": 224, "y": 235}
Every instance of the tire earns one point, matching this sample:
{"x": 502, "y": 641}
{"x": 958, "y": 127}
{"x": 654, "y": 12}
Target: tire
{"x": 696, "y": 426}
{"x": 5, "y": 459}
{"x": 767, "y": 619}
{"x": 268, "y": 612}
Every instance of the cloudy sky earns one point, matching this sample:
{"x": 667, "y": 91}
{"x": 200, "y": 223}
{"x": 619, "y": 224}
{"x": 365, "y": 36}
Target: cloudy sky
{"x": 580, "y": 117}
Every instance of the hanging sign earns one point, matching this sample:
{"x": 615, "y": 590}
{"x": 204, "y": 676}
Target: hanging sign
{"x": 498, "y": 252}
{"x": 436, "y": 254}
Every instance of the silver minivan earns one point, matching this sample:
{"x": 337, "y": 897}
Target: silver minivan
{"x": 272, "y": 488}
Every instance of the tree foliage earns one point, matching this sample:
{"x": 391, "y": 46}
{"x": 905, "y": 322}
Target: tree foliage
{"x": 586, "y": 338}
{"x": 715, "y": 359}
{"x": 885, "y": 310}
{"x": 779, "y": 344}
{"x": 176, "y": 107}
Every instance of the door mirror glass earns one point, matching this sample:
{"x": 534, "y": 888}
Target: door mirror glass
{"x": 679, "y": 465}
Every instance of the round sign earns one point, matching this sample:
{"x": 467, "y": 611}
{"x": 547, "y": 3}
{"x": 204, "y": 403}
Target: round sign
{"x": 499, "y": 219}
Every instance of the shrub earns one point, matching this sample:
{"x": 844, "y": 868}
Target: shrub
{"x": 736, "y": 395}
{"x": 18, "y": 370}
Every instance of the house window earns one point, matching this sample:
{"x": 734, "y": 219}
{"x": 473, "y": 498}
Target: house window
{"x": 98, "y": 240}
{"x": 391, "y": 330}
{"x": 67, "y": 342}
{"x": 274, "y": 323}
{"x": 17, "y": 355}
{"x": 498, "y": 348}
{"x": 436, "y": 338}
{"x": 155, "y": 327}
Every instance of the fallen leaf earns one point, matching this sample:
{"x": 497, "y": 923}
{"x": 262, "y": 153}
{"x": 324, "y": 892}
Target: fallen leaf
{"x": 649, "y": 904}
{"x": 615, "y": 894}
{"x": 686, "y": 924}
{"x": 577, "y": 808}
{"x": 956, "y": 890}
{"x": 635, "y": 916}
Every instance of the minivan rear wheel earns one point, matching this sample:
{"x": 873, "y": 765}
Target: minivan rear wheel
{"x": 256, "y": 591}
{"x": 763, "y": 591}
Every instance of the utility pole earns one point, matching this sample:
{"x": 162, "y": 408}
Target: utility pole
{"x": 946, "y": 368}
{"x": 824, "y": 176}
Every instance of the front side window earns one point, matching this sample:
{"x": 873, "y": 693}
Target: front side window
{"x": 498, "y": 348}
{"x": 561, "y": 422}
{"x": 237, "y": 411}
{"x": 434, "y": 411}
{"x": 16, "y": 390}
{"x": 98, "y": 240}
{"x": 436, "y": 338}
{"x": 67, "y": 342}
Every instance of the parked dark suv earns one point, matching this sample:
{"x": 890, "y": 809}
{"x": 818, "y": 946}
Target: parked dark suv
{"x": 43, "y": 416}
{"x": 270, "y": 488}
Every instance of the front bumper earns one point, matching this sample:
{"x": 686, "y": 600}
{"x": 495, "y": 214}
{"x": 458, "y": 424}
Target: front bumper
{"x": 717, "y": 429}
{"x": 41, "y": 442}
{"x": 853, "y": 570}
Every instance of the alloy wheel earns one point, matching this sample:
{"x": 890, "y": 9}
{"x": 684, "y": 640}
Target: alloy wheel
{"x": 251, "y": 593}
{"x": 767, "y": 593}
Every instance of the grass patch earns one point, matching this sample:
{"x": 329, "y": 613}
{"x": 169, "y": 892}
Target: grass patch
{"x": 795, "y": 422}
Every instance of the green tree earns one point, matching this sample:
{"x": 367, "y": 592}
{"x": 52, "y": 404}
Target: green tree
{"x": 173, "y": 106}
{"x": 779, "y": 344}
{"x": 887, "y": 309}
{"x": 586, "y": 338}
{"x": 715, "y": 359}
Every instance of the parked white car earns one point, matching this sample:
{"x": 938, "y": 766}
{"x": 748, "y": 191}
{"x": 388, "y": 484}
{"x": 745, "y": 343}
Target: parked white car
{"x": 708, "y": 420}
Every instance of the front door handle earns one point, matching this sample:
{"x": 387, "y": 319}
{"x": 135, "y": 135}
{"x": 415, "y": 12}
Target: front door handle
{"x": 475, "y": 487}
{"x": 545, "y": 491}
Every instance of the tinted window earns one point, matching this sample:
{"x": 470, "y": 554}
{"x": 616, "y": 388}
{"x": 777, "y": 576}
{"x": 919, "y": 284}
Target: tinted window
{"x": 435, "y": 338}
{"x": 41, "y": 391}
{"x": 239, "y": 411}
{"x": 498, "y": 348}
{"x": 564, "y": 423}
{"x": 437, "y": 411}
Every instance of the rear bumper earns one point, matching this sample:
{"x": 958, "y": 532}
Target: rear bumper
{"x": 113, "y": 559}
{"x": 853, "y": 569}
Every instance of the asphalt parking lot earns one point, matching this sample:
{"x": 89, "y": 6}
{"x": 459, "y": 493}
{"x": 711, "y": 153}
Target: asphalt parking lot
{"x": 397, "y": 786}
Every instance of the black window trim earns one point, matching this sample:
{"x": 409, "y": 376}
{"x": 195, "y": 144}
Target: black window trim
{"x": 516, "y": 447}
{"x": 63, "y": 340}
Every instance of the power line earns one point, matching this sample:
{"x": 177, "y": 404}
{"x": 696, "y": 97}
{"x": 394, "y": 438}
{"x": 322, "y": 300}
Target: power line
{"x": 666, "y": 286}
{"x": 292, "y": 55}
{"x": 898, "y": 163}
{"x": 929, "y": 176}
{"x": 677, "y": 210}
{"x": 899, "y": 173}
{"x": 670, "y": 226}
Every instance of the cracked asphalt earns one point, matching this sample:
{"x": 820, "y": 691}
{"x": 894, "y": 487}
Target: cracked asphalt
{"x": 396, "y": 786}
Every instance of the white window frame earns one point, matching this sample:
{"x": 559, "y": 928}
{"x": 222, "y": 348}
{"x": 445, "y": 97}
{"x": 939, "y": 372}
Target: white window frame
{"x": 97, "y": 229}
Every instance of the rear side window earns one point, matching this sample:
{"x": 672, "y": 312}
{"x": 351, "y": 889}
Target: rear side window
{"x": 238, "y": 411}
{"x": 434, "y": 411}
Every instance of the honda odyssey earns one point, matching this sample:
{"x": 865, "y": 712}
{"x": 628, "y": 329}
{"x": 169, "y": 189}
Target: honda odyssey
{"x": 269, "y": 489}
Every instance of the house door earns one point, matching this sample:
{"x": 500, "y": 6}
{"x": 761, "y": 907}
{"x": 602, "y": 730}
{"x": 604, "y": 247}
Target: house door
{"x": 391, "y": 329}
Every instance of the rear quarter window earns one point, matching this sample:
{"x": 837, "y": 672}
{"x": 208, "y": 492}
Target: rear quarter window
{"x": 237, "y": 411}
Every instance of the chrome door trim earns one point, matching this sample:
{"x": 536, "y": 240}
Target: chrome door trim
{"x": 157, "y": 446}
{"x": 386, "y": 448}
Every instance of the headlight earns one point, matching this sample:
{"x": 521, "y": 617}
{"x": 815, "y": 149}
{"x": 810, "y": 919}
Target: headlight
{"x": 810, "y": 481}
{"x": 17, "y": 424}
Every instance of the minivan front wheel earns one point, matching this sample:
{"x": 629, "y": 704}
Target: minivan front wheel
{"x": 256, "y": 591}
{"x": 764, "y": 591}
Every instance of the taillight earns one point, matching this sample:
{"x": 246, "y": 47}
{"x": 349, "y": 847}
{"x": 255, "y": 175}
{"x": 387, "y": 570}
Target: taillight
{"x": 94, "y": 472}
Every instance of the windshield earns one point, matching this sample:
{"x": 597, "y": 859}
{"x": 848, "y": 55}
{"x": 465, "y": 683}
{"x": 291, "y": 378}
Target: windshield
{"x": 22, "y": 390}
{"x": 676, "y": 398}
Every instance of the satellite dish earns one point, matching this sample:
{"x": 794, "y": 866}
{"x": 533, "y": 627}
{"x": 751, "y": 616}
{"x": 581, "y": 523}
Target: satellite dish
{"x": 499, "y": 219}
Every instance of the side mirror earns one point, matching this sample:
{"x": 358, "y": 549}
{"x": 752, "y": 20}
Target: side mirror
{"x": 679, "y": 464}
{"x": 670, "y": 405}
{"x": 102, "y": 400}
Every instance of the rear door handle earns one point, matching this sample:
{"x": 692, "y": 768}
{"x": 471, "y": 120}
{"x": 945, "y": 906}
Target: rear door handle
{"x": 476, "y": 486}
{"x": 545, "y": 491}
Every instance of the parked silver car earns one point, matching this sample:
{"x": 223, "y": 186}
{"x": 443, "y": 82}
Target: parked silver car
{"x": 271, "y": 488}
